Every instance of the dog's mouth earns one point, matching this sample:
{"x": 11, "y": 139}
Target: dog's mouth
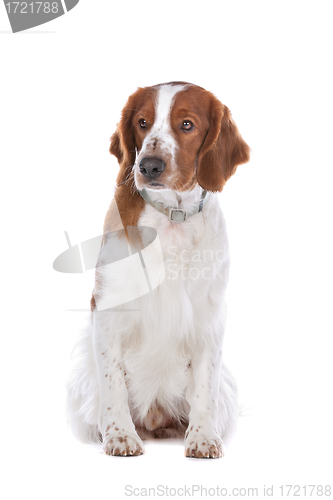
{"x": 156, "y": 185}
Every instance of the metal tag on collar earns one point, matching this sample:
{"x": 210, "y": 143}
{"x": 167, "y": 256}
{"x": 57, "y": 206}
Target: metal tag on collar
{"x": 177, "y": 215}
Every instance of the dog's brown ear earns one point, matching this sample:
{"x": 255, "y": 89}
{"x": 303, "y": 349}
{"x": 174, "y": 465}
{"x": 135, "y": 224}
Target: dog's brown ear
{"x": 122, "y": 141}
{"x": 125, "y": 159}
{"x": 123, "y": 148}
{"x": 222, "y": 151}
{"x": 115, "y": 148}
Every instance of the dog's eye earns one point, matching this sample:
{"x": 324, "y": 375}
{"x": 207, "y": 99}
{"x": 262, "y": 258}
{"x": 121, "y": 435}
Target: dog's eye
{"x": 142, "y": 123}
{"x": 187, "y": 125}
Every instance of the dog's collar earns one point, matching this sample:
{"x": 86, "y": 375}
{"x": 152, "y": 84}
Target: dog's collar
{"x": 175, "y": 214}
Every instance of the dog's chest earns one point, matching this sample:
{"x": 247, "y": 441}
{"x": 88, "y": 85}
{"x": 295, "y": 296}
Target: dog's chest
{"x": 190, "y": 250}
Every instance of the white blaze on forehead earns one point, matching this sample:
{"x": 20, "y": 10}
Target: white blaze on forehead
{"x": 165, "y": 99}
{"x": 161, "y": 129}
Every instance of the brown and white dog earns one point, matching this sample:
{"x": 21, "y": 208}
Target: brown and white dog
{"x": 153, "y": 367}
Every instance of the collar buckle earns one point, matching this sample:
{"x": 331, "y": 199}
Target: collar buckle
{"x": 177, "y": 215}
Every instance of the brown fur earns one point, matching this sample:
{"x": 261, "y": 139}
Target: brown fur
{"x": 124, "y": 141}
{"x": 223, "y": 150}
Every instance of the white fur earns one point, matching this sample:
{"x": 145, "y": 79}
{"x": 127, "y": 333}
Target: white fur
{"x": 161, "y": 353}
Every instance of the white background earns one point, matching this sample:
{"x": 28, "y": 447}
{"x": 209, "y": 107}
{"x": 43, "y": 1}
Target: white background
{"x": 63, "y": 86}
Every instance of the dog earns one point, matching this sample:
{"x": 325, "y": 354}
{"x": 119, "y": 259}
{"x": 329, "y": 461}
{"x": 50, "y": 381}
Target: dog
{"x": 150, "y": 365}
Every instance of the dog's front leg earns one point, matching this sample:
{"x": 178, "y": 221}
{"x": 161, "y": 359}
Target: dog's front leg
{"x": 202, "y": 436}
{"x": 115, "y": 422}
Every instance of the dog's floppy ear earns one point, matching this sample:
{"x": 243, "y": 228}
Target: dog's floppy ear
{"x": 122, "y": 141}
{"x": 115, "y": 148}
{"x": 222, "y": 151}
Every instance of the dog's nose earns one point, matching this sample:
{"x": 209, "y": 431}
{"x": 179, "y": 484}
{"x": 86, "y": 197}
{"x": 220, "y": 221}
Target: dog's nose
{"x": 151, "y": 167}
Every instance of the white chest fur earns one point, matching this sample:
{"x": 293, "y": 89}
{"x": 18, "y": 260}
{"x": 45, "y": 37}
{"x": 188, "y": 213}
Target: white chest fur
{"x": 168, "y": 322}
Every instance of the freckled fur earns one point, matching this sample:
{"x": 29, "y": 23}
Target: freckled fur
{"x": 156, "y": 369}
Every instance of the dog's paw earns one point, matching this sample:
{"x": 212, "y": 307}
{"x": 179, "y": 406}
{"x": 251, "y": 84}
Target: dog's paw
{"x": 198, "y": 445}
{"x": 126, "y": 445}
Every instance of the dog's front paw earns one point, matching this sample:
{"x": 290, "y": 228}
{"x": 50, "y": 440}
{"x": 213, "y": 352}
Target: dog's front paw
{"x": 198, "y": 445}
{"x": 123, "y": 445}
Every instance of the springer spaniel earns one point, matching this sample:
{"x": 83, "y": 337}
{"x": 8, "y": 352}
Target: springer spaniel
{"x": 151, "y": 359}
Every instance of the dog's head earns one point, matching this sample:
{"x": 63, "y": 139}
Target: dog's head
{"x": 177, "y": 135}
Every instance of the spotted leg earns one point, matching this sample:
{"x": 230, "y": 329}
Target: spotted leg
{"x": 115, "y": 422}
{"x": 202, "y": 439}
